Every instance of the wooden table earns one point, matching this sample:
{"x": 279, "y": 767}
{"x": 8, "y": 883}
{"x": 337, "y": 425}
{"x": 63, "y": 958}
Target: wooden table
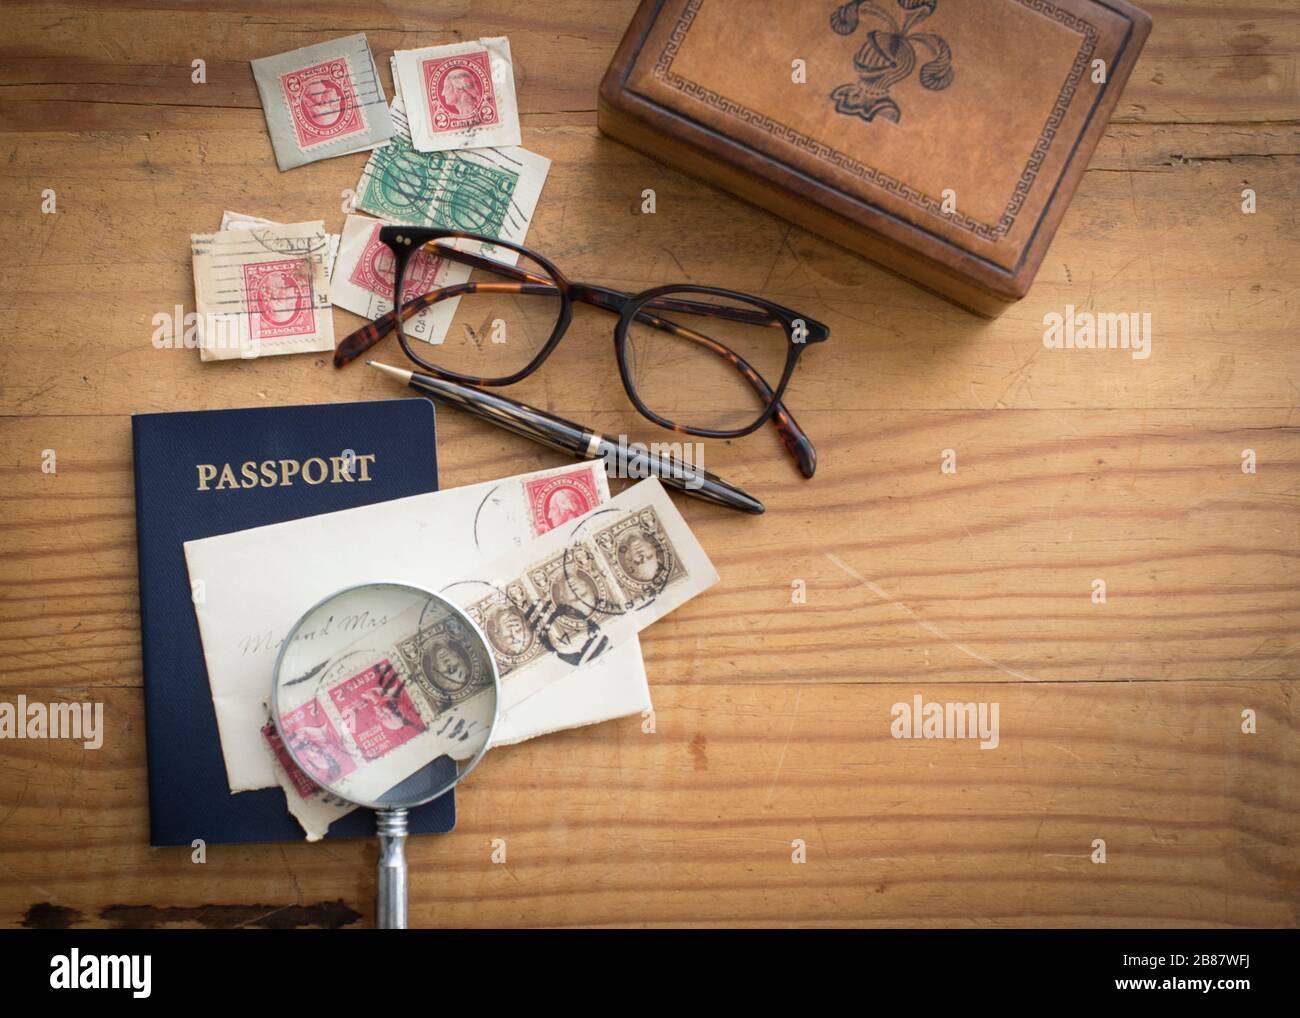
{"x": 1120, "y": 722}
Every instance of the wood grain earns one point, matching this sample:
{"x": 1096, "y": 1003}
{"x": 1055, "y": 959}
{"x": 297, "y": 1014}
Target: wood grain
{"x": 697, "y": 822}
{"x": 1119, "y": 721}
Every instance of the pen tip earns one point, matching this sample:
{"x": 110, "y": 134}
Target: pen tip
{"x": 389, "y": 369}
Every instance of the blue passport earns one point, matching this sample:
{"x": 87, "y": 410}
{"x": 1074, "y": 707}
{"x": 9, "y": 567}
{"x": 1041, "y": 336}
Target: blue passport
{"x": 212, "y": 472}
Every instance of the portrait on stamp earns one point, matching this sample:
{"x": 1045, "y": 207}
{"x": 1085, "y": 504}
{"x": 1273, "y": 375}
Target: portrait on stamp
{"x": 279, "y": 299}
{"x": 577, "y": 588}
{"x": 640, "y": 555}
{"x": 377, "y": 709}
{"x": 504, "y": 618}
{"x": 445, "y": 664}
{"x": 508, "y": 630}
{"x": 302, "y": 784}
{"x": 563, "y": 497}
{"x": 322, "y": 103}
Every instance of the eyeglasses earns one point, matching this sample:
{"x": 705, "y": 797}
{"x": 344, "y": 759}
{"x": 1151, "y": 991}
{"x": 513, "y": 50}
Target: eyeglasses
{"x": 492, "y": 321}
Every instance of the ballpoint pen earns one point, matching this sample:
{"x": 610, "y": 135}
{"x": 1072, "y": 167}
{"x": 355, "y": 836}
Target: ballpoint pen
{"x": 556, "y": 432}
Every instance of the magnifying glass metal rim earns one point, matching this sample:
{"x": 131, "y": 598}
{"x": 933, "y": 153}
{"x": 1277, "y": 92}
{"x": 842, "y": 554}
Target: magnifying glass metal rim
{"x": 462, "y": 616}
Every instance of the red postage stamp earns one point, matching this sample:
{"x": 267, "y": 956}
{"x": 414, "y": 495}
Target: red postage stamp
{"x": 374, "y": 269}
{"x": 561, "y": 497}
{"x": 322, "y": 102}
{"x": 279, "y": 299}
{"x": 377, "y": 709}
{"x": 315, "y": 742}
{"x": 459, "y": 92}
{"x": 302, "y": 784}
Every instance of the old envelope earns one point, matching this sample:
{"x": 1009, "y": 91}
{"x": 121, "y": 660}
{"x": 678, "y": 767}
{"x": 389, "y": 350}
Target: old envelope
{"x": 256, "y": 583}
{"x": 546, "y": 610}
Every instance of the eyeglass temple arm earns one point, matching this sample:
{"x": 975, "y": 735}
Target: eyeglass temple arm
{"x": 795, "y": 439}
{"x": 609, "y": 300}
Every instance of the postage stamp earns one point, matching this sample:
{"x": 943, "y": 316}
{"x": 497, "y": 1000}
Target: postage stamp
{"x": 316, "y": 742}
{"x": 640, "y": 555}
{"x": 577, "y": 592}
{"x": 444, "y": 662}
{"x": 279, "y": 299}
{"x": 471, "y": 194}
{"x": 451, "y": 190}
{"x": 375, "y": 267}
{"x": 397, "y": 183}
{"x": 458, "y": 91}
{"x": 458, "y": 95}
{"x": 562, "y": 497}
{"x": 503, "y": 617}
{"x": 322, "y": 102}
{"x": 302, "y": 784}
{"x": 377, "y": 709}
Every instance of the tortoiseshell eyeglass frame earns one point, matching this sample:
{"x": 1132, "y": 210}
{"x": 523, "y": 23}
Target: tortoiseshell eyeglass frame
{"x": 800, "y": 330}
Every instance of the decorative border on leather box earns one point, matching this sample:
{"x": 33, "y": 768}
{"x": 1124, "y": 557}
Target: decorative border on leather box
{"x": 882, "y": 181}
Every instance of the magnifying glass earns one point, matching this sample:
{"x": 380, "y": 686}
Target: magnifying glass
{"x": 385, "y": 696}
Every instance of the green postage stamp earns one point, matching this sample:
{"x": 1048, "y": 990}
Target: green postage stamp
{"x": 492, "y": 191}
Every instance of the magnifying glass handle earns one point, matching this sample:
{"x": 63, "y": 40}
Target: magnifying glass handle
{"x": 391, "y": 906}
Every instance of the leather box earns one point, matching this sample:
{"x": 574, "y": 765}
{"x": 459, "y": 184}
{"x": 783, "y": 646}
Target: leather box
{"x": 940, "y": 138}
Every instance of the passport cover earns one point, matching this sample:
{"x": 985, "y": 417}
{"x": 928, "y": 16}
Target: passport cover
{"x": 941, "y": 138}
{"x": 177, "y": 502}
